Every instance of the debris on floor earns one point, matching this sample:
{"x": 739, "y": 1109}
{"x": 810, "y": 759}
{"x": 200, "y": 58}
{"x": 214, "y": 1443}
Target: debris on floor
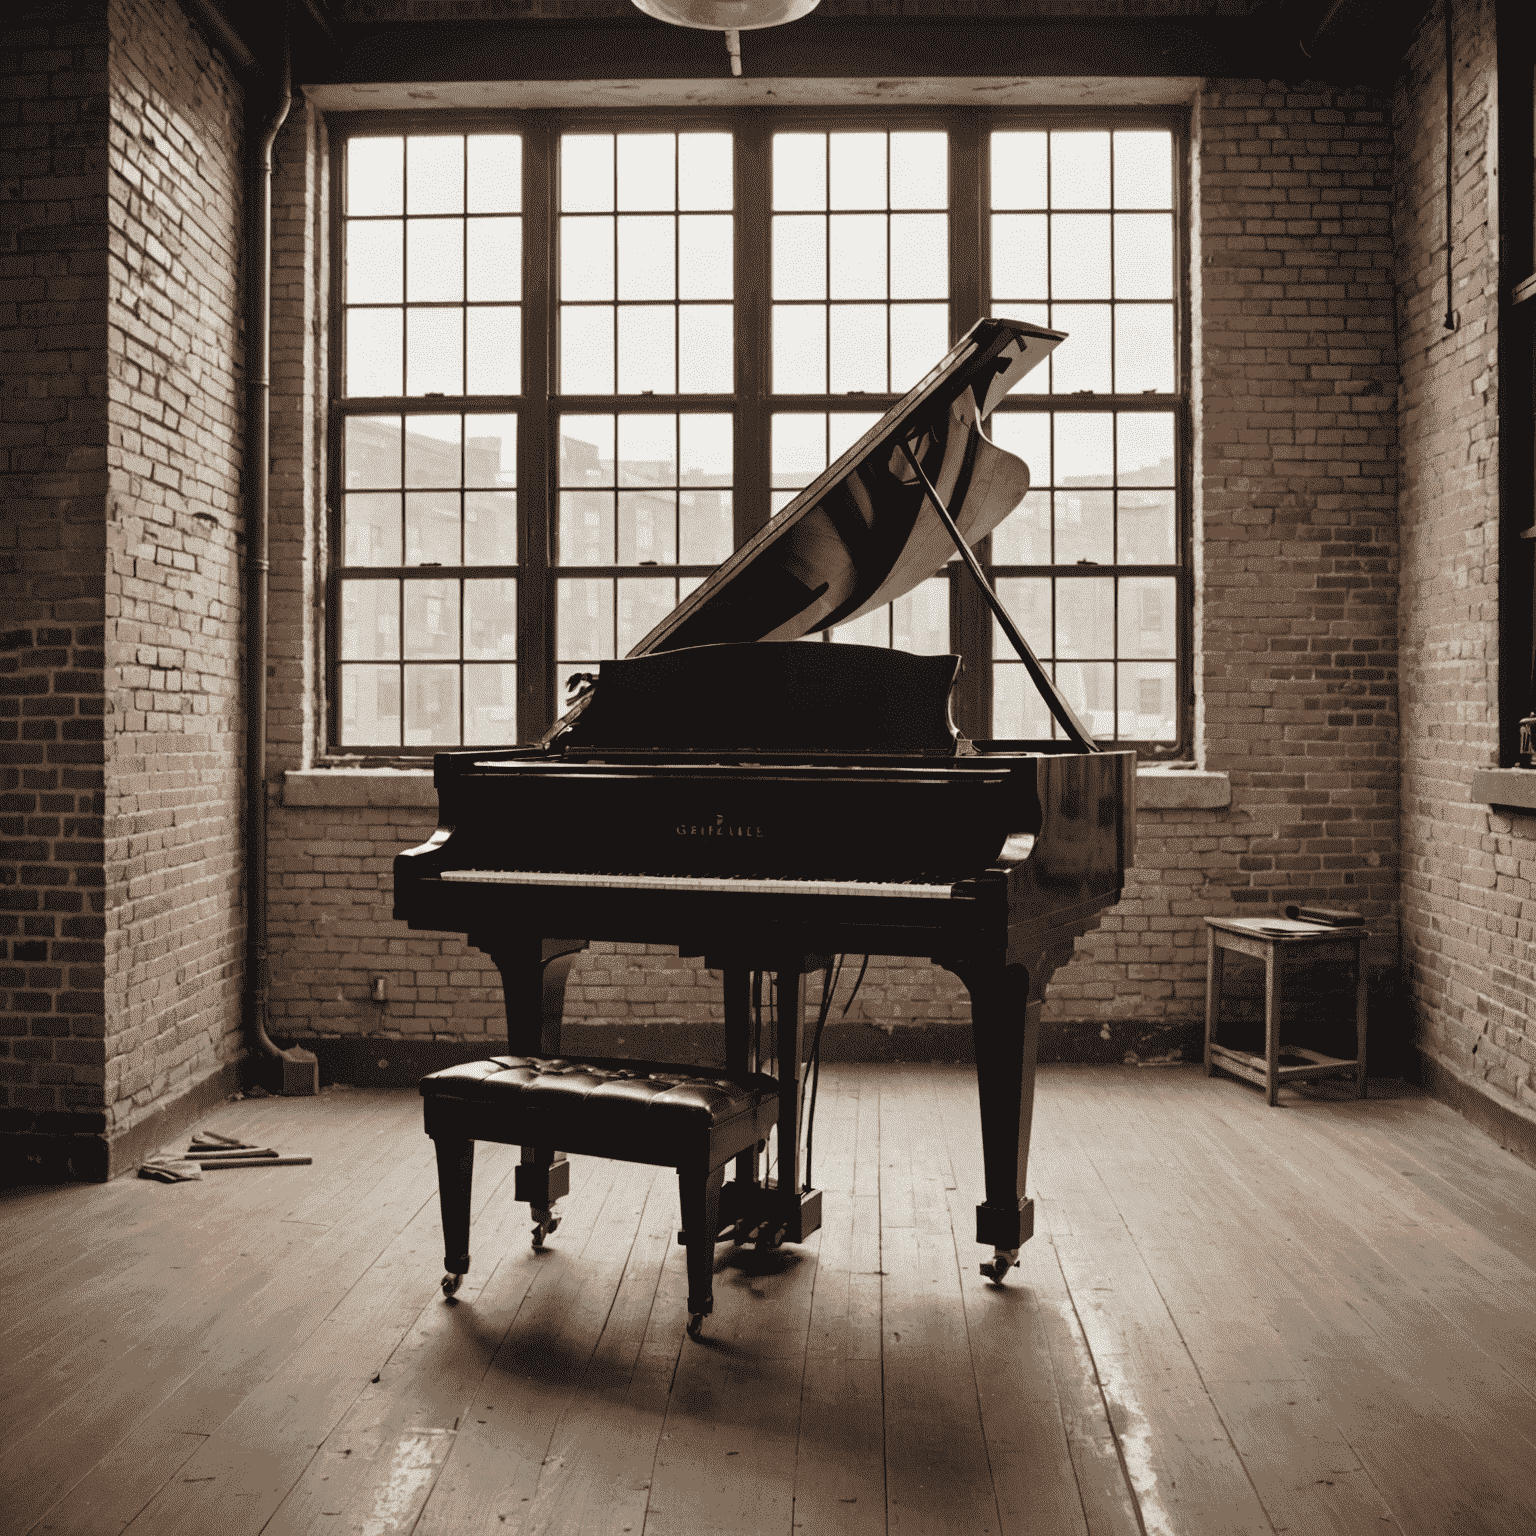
{"x": 210, "y": 1150}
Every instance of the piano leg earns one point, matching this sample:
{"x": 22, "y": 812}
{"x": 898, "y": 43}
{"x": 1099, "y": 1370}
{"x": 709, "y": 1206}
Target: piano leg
{"x": 699, "y": 1195}
{"x": 533, "y": 976}
{"x": 1005, "y": 1026}
{"x": 455, "y": 1175}
{"x": 740, "y": 1058}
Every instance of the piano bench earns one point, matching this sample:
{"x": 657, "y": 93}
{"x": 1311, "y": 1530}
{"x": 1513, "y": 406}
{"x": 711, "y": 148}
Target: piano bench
{"x": 684, "y": 1117}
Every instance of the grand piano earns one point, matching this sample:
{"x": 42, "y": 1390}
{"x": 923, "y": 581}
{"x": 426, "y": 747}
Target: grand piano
{"x": 738, "y": 789}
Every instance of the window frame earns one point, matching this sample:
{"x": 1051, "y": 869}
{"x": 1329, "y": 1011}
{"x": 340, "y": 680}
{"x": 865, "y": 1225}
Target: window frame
{"x": 751, "y": 403}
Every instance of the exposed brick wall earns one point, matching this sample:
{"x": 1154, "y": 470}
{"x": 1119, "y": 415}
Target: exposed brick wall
{"x": 1467, "y": 869}
{"x": 173, "y": 601}
{"x": 53, "y": 479}
{"x": 1297, "y": 551}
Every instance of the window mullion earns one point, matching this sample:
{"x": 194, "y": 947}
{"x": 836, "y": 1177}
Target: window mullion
{"x": 535, "y": 469}
{"x": 751, "y": 471}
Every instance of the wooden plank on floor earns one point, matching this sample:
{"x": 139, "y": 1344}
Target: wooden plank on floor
{"x": 840, "y": 1458}
{"x": 1049, "y": 1441}
{"x": 938, "y": 1475}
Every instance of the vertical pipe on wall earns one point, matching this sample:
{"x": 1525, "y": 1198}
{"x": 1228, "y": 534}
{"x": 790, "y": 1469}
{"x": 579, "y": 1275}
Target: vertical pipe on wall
{"x": 298, "y": 1069}
{"x": 1451, "y": 320}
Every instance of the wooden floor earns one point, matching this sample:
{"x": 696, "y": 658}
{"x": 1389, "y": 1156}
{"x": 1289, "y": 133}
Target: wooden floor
{"x": 1317, "y": 1318}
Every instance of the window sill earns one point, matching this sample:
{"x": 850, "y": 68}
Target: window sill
{"x": 1157, "y": 788}
{"x": 1505, "y": 786}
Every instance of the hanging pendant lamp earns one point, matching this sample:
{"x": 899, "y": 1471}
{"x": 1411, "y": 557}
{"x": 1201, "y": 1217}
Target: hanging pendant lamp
{"x": 733, "y": 17}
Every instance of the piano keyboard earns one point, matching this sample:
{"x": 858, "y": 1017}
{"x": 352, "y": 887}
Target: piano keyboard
{"x": 726, "y": 885}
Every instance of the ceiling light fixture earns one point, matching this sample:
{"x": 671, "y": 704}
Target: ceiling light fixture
{"x": 733, "y": 17}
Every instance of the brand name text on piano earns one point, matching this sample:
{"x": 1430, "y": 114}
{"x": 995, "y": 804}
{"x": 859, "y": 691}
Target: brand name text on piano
{"x": 717, "y": 828}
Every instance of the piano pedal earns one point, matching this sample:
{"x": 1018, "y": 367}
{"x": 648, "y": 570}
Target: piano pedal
{"x": 769, "y": 1238}
{"x": 1003, "y": 1259}
{"x": 545, "y": 1222}
{"x": 451, "y": 1284}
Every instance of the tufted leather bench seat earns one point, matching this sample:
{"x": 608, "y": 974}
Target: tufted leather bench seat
{"x": 685, "y": 1117}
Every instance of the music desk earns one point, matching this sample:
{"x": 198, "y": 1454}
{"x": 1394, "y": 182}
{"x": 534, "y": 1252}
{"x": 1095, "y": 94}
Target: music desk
{"x": 1281, "y": 944}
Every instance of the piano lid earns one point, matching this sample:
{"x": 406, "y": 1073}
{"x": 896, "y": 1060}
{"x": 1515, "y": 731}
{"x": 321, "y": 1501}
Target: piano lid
{"x": 863, "y": 533}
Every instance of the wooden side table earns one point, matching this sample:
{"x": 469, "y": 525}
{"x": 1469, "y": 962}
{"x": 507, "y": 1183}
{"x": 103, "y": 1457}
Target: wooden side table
{"x": 1280, "y": 944}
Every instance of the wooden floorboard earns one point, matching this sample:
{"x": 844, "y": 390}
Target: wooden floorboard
{"x": 1318, "y": 1318}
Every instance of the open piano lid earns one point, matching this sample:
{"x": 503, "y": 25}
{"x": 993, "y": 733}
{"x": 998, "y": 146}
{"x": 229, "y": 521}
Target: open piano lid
{"x": 863, "y": 533}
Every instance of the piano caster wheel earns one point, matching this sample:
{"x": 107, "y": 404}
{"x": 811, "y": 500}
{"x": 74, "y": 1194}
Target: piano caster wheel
{"x": 1003, "y": 1259}
{"x": 545, "y": 1222}
{"x": 695, "y": 1324}
{"x": 451, "y": 1284}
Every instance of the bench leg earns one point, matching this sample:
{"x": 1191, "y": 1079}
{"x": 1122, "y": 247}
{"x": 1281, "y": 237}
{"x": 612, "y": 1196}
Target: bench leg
{"x": 455, "y": 1175}
{"x": 700, "y": 1198}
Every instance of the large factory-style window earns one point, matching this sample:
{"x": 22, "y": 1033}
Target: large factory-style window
{"x": 576, "y": 362}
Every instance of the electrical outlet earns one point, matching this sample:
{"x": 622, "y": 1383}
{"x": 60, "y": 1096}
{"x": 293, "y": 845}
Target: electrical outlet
{"x": 378, "y": 989}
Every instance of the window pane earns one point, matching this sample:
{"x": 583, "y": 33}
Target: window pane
{"x": 1085, "y": 452}
{"x": 1144, "y": 449}
{"x": 375, "y": 176}
{"x": 705, "y": 354}
{"x": 919, "y": 338}
{"x": 647, "y": 349}
{"x": 1147, "y": 607}
{"x": 434, "y": 174}
{"x": 1080, "y": 170}
{"x": 705, "y": 444}
{"x": 370, "y": 620}
{"x": 1028, "y": 601}
{"x": 1143, "y": 348}
{"x": 370, "y": 529}
{"x": 586, "y": 173}
{"x": 799, "y": 448}
{"x": 495, "y": 350}
{"x": 490, "y": 705}
{"x": 432, "y": 450}
{"x": 434, "y": 251}
{"x": 920, "y": 256}
{"x": 1089, "y": 687}
{"x": 1085, "y": 617}
{"x": 647, "y": 450}
{"x": 1027, "y": 435}
{"x": 705, "y": 534}
{"x": 371, "y": 449}
{"x": 1018, "y": 709}
{"x": 1145, "y": 528}
{"x": 1082, "y": 361}
{"x": 375, "y": 270}
{"x": 858, "y": 170}
{"x": 647, "y": 171}
{"x": 431, "y": 619}
{"x": 1080, "y": 256}
{"x": 858, "y": 349}
{"x": 373, "y": 352}
{"x": 1025, "y": 537}
{"x": 799, "y": 349}
{"x": 1018, "y": 170}
{"x": 920, "y": 620}
{"x": 586, "y": 259}
{"x": 1019, "y": 268}
{"x": 490, "y": 619}
{"x": 586, "y": 450}
{"x": 431, "y": 705}
{"x": 586, "y": 351}
{"x": 434, "y": 351}
{"x": 647, "y": 257}
{"x": 432, "y": 528}
{"x": 490, "y": 528}
{"x": 370, "y": 706}
{"x": 643, "y": 602}
{"x": 872, "y": 629}
{"x": 586, "y": 528}
{"x": 1144, "y": 169}
{"x": 857, "y": 256}
{"x": 1148, "y": 696}
{"x": 584, "y": 617}
{"x": 495, "y": 173}
{"x": 704, "y": 178}
{"x": 1085, "y": 527}
{"x": 705, "y": 252}
{"x": 495, "y": 260}
{"x": 799, "y": 171}
{"x": 1143, "y": 255}
{"x": 919, "y": 170}
{"x": 799, "y": 257}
